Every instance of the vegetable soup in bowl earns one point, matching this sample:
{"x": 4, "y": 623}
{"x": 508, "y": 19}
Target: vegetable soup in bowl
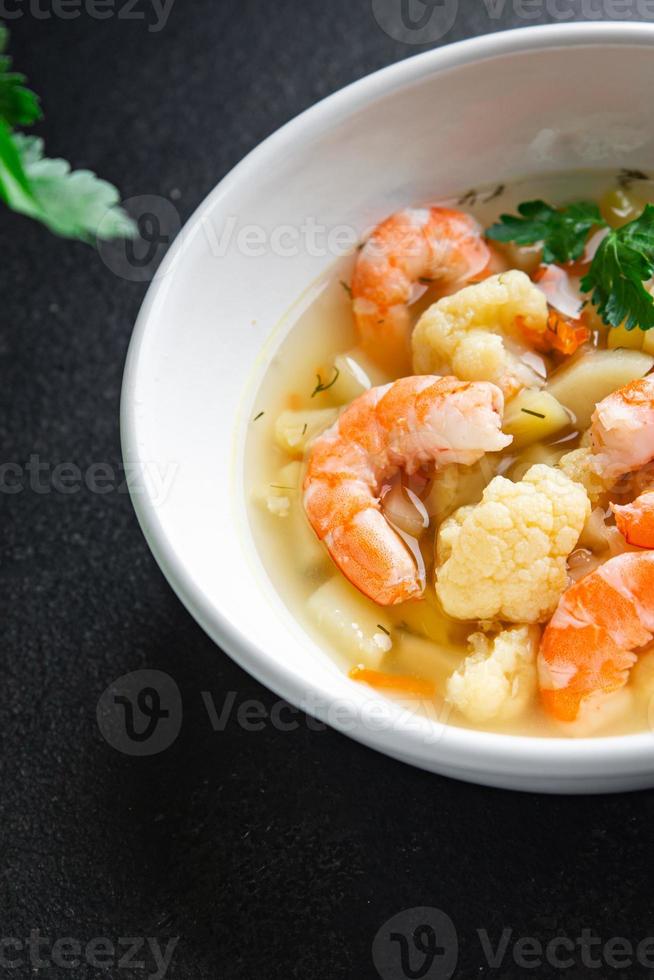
{"x": 398, "y": 368}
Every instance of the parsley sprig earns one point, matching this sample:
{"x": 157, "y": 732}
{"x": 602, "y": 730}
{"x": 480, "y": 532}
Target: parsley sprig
{"x": 72, "y": 203}
{"x": 622, "y": 265}
{"x": 562, "y": 231}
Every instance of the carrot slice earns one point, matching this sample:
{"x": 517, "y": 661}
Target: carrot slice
{"x": 393, "y": 682}
{"x": 562, "y": 334}
{"x": 567, "y": 335}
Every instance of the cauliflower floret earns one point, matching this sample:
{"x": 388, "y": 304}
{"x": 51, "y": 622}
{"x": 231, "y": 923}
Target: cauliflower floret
{"x": 505, "y": 558}
{"x": 579, "y": 467}
{"x": 464, "y": 334}
{"x": 498, "y": 680}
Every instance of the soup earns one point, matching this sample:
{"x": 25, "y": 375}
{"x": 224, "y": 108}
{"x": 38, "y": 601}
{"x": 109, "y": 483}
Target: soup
{"x": 478, "y": 546}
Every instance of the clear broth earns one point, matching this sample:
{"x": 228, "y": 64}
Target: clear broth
{"x": 291, "y": 554}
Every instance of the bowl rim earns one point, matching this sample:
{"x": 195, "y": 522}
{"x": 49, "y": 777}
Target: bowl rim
{"x": 468, "y": 749}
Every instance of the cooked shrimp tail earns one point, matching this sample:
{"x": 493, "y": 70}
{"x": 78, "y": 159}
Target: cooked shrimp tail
{"x": 413, "y": 246}
{"x": 408, "y": 424}
{"x": 635, "y": 521}
{"x": 588, "y": 647}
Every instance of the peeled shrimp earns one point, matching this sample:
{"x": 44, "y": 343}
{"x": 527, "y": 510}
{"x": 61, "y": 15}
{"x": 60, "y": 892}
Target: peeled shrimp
{"x": 404, "y": 425}
{"x": 622, "y": 441}
{"x": 412, "y": 246}
{"x": 622, "y": 430}
{"x": 588, "y": 647}
{"x": 635, "y": 521}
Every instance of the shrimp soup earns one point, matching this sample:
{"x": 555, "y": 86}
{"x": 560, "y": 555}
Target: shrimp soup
{"x": 450, "y": 455}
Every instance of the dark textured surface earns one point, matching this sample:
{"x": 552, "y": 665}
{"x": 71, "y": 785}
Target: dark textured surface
{"x": 269, "y": 854}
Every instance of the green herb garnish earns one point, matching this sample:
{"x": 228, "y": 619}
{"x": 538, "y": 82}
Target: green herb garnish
{"x": 75, "y": 204}
{"x": 383, "y": 629}
{"x": 323, "y": 387}
{"x": 563, "y": 232}
{"x": 528, "y": 411}
{"x": 348, "y": 289}
{"x": 257, "y": 417}
{"x": 19, "y": 106}
{"x": 623, "y": 263}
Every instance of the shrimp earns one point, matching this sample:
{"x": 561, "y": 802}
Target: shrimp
{"x": 403, "y": 425}
{"x": 412, "y": 246}
{"x": 635, "y": 521}
{"x": 588, "y": 647}
{"x": 622, "y": 430}
{"x": 622, "y": 441}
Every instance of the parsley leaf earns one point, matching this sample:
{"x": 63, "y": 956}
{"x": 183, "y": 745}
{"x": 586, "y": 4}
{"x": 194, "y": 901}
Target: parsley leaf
{"x": 14, "y": 185}
{"x": 72, "y": 203}
{"x": 19, "y": 106}
{"x": 75, "y": 204}
{"x": 563, "y": 231}
{"x": 623, "y": 263}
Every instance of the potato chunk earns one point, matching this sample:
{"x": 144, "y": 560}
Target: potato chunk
{"x": 294, "y": 430}
{"x": 532, "y": 416}
{"x": 283, "y": 499}
{"x": 352, "y": 379}
{"x": 593, "y": 375}
{"x": 357, "y": 629}
{"x": 422, "y": 657}
{"x": 281, "y": 496}
{"x": 619, "y": 338}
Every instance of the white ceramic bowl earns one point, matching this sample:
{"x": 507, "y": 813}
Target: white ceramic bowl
{"x": 537, "y": 100}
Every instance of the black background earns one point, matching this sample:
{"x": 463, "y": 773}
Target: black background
{"x": 270, "y": 854}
